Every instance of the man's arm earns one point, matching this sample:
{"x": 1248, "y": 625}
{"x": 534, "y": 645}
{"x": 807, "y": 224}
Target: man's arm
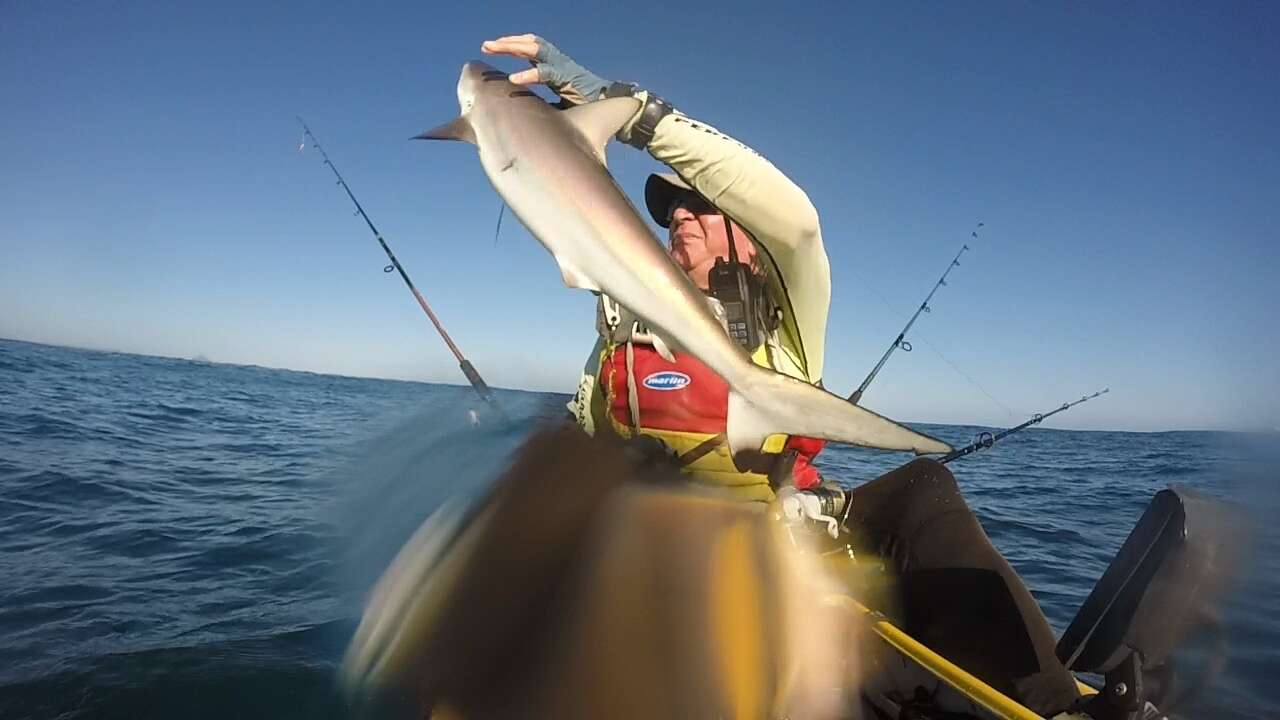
{"x": 734, "y": 177}
{"x": 776, "y": 212}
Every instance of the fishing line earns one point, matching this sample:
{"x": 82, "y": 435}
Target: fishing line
{"x": 894, "y": 310}
{"x": 469, "y": 370}
{"x": 900, "y": 342}
{"x": 966, "y": 376}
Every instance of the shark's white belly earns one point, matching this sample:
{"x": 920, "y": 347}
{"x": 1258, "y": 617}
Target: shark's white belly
{"x": 592, "y": 256}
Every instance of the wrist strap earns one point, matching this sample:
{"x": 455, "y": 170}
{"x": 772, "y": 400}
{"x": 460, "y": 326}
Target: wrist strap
{"x": 655, "y": 108}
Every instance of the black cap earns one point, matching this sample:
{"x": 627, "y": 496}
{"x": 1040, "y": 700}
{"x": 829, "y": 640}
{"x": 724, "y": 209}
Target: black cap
{"x": 659, "y": 192}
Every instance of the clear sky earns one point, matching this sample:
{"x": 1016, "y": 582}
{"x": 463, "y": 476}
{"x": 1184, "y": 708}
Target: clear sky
{"x": 1124, "y": 157}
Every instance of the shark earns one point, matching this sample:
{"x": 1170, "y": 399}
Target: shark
{"x": 549, "y": 167}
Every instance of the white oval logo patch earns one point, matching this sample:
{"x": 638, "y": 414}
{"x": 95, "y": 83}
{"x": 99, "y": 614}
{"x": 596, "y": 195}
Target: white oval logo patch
{"x": 666, "y": 380}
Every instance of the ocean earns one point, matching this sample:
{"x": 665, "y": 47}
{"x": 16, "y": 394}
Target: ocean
{"x": 182, "y": 539}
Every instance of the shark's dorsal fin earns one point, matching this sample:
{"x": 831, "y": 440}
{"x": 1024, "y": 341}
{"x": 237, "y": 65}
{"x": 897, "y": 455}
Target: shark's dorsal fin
{"x": 457, "y": 129}
{"x": 600, "y": 120}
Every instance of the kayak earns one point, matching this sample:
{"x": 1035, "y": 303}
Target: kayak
{"x": 580, "y": 586}
{"x": 904, "y": 666}
{"x": 1161, "y": 587}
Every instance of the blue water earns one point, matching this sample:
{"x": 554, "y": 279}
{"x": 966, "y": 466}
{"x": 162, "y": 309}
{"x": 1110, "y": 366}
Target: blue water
{"x": 185, "y": 539}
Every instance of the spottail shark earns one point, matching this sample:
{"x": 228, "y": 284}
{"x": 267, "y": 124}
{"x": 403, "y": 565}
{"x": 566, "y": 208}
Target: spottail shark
{"x": 549, "y": 167}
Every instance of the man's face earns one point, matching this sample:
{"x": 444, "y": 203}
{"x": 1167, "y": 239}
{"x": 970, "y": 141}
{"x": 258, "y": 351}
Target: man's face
{"x": 698, "y": 236}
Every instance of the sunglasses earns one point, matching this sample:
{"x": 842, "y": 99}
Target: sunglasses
{"x": 695, "y": 204}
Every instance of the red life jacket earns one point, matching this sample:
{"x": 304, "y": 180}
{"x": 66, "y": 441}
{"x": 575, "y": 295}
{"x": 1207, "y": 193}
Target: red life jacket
{"x": 685, "y": 404}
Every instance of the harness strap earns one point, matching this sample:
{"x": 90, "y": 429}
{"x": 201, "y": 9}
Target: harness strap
{"x": 702, "y": 448}
{"x": 777, "y": 466}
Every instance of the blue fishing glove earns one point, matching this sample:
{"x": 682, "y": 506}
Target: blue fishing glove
{"x": 565, "y": 76}
{"x": 572, "y": 82}
{"x": 577, "y": 85}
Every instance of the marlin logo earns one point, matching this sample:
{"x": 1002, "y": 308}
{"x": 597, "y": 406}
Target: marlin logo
{"x": 666, "y": 380}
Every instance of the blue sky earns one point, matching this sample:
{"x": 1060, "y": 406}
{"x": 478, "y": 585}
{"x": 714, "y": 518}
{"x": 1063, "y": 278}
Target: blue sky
{"x": 1123, "y": 157}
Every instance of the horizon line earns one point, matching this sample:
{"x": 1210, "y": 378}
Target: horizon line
{"x": 204, "y": 359}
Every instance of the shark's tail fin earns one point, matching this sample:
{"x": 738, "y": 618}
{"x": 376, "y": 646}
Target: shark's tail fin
{"x": 777, "y": 403}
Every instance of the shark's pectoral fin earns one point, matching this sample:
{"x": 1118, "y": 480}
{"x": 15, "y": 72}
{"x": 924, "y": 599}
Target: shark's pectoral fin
{"x": 600, "y": 120}
{"x": 574, "y": 278}
{"x": 746, "y": 427}
{"x": 661, "y": 346}
{"x": 457, "y": 129}
{"x": 775, "y": 403}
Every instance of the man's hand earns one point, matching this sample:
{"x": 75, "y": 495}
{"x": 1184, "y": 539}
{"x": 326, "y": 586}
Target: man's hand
{"x": 551, "y": 67}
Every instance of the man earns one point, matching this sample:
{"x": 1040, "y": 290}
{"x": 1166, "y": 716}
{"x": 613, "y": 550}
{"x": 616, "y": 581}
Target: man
{"x": 724, "y": 202}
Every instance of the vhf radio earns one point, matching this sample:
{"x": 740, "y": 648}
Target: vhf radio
{"x": 741, "y": 293}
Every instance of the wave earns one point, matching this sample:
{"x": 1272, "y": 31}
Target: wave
{"x": 287, "y": 674}
{"x": 188, "y": 540}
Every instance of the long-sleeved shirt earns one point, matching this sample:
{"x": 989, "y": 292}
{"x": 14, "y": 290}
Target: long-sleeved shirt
{"x": 782, "y": 222}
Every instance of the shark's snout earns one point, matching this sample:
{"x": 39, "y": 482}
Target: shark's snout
{"x": 474, "y": 74}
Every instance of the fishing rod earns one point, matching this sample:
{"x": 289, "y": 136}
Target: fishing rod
{"x": 473, "y": 375}
{"x": 986, "y": 439}
{"x": 900, "y": 341}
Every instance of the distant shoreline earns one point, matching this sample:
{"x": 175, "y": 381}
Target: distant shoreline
{"x": 201, "y": 359}
{"x": 205, "y": 360}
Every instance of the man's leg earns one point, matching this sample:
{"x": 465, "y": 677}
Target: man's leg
{"x": 956, "y": 593}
